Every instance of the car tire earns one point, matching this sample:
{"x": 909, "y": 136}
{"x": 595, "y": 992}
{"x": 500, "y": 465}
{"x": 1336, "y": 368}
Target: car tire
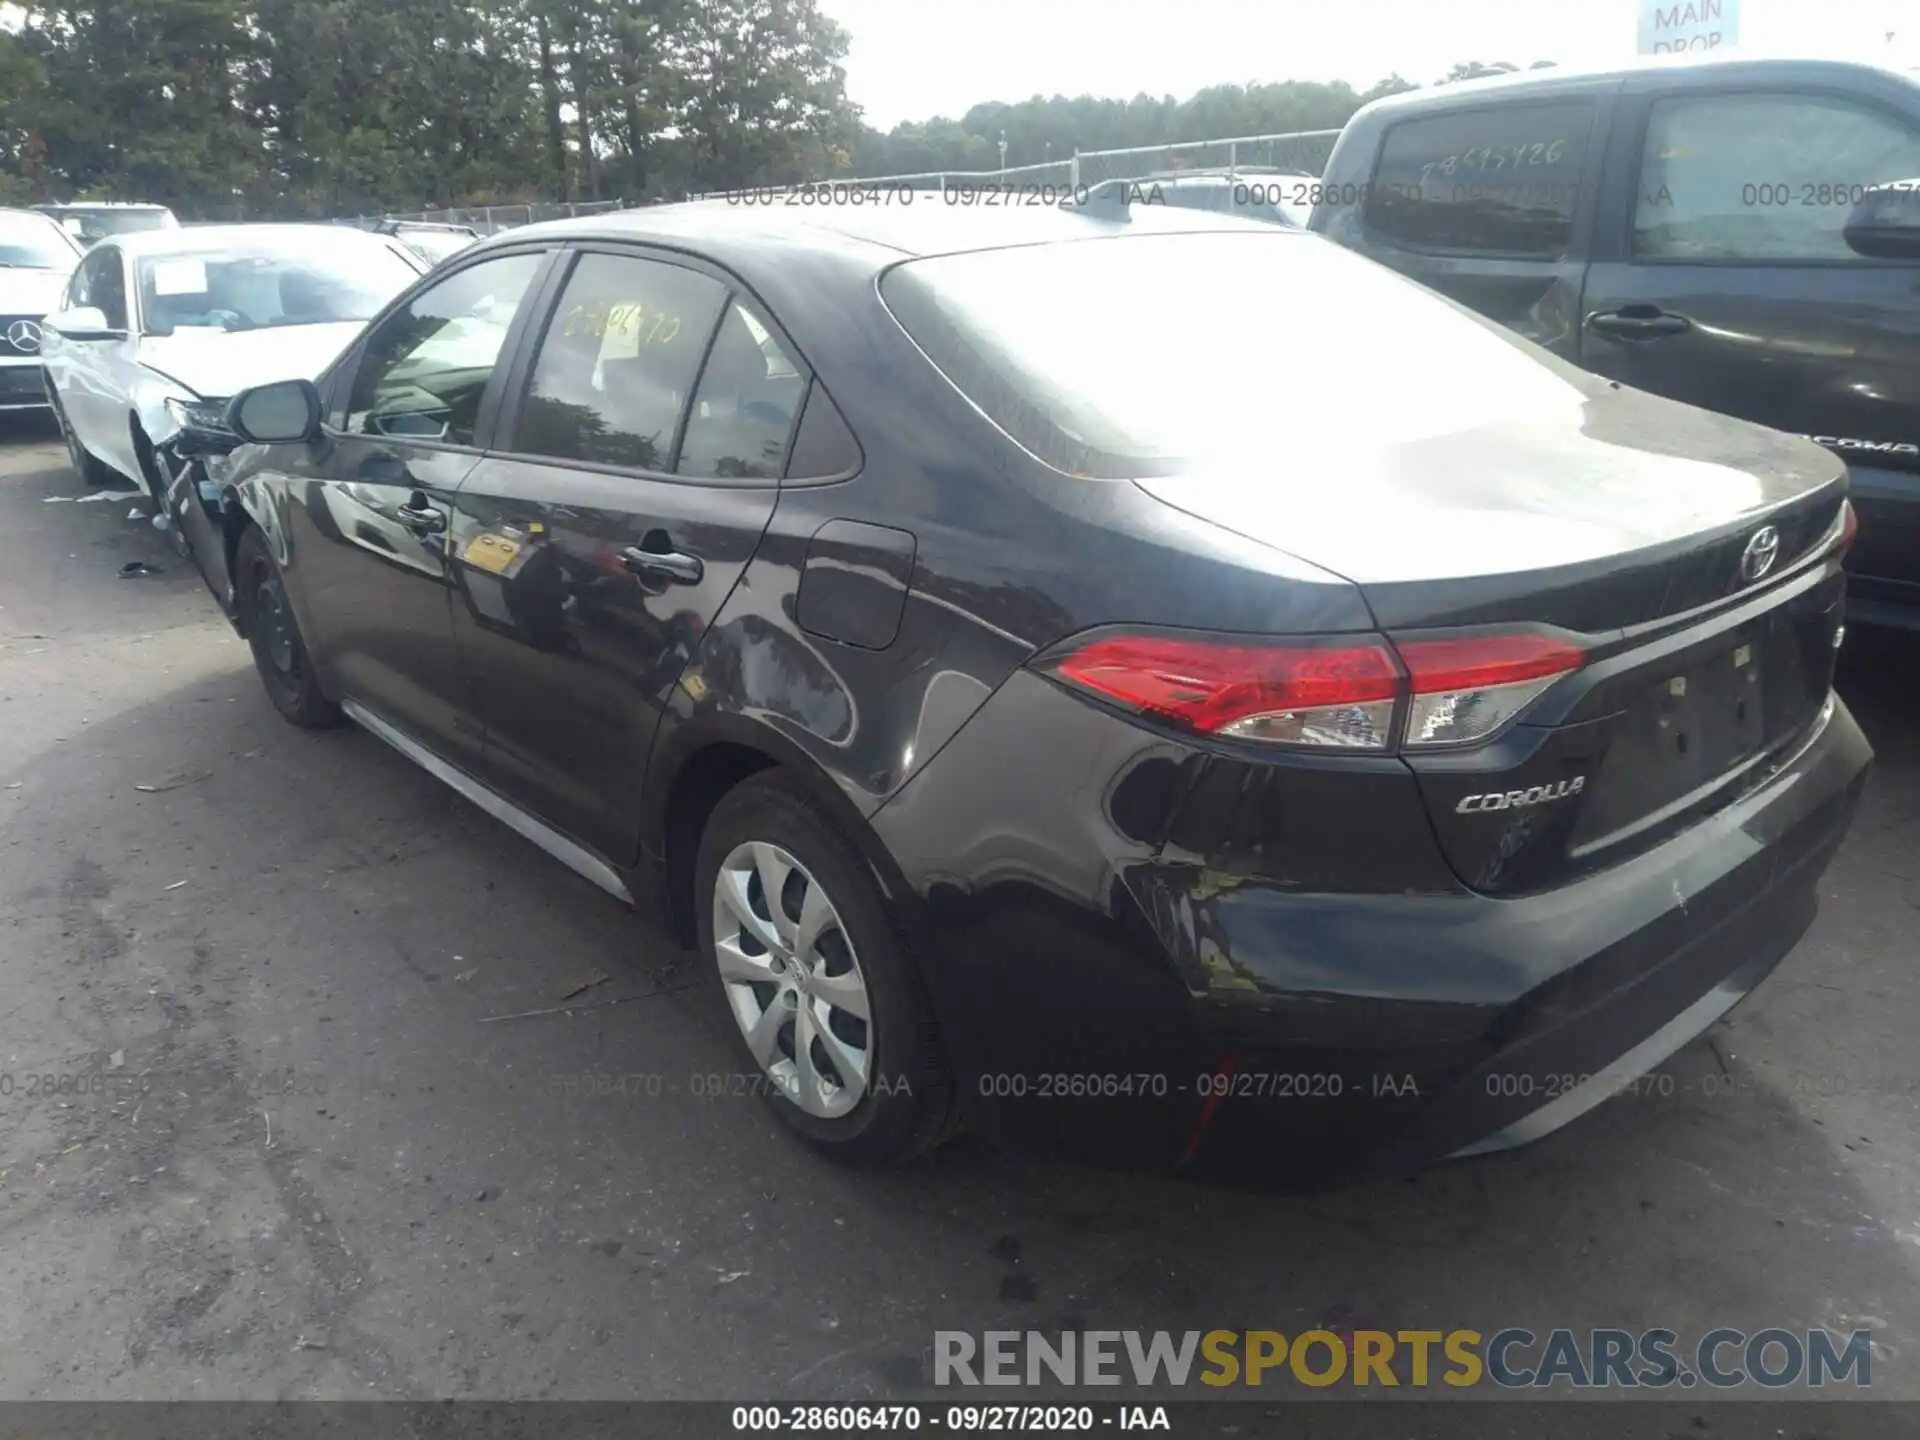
{"x": 150, "y": 470}
{"x": 858, "y": 957}
{"x": 279, "y": 649}
{"x": 93, "y": 472}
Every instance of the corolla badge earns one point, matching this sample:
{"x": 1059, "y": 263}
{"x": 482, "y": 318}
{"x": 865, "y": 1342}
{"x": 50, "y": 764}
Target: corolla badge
{"x": 24, "y": 336}
{"x": 1762, "y": 550}
{"x": 1522, "y": 799}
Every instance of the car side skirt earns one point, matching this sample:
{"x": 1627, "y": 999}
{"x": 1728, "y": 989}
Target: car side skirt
{"x": 575, "y": 857}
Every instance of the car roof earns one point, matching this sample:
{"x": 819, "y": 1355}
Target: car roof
{"x": 1546, "y": 83}
{"x": 36, "y": 214}
{"x": 211, "y": 237}
{"x": 736, "y": 233}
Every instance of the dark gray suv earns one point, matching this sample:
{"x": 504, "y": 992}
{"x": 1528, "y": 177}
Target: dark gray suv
{"x": 1743, "y": 235}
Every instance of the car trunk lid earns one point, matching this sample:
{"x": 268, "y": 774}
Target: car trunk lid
{"x": 1693, "y": 558}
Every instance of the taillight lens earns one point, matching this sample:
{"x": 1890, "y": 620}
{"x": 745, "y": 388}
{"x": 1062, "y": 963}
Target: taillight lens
{"x": 1849, "y": 527}
{"x": 1337, "y": 695}
{"x": 1464, "y": 689}
{"x": 1340, "y": 695}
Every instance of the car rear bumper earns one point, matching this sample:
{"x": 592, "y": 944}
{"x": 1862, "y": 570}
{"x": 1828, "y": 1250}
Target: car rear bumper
{"x": 1611, "y": 1019}
{"x": 1107, "y": 996}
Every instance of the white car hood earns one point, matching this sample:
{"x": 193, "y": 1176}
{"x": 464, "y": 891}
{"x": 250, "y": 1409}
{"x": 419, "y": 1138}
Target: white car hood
{"x": 31, "y": 292}
{"x": 216, "y": 363}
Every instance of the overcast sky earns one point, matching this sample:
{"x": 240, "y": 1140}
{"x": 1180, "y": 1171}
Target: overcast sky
{"x": 913, "y": 59}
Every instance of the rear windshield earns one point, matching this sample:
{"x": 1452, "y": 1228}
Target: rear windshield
{"x": 1155, "y": 354}
{"x": 97, "y": 223}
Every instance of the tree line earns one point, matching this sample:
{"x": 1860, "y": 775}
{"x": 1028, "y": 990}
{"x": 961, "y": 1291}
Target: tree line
{"x": 253, "y": 109}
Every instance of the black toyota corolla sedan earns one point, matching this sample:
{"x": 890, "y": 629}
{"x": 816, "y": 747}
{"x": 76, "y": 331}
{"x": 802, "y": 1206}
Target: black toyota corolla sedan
{"x": 1146, "y": 683}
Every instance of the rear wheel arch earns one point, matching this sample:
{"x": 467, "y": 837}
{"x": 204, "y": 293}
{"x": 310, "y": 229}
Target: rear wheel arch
{"x": 697, "y": 774}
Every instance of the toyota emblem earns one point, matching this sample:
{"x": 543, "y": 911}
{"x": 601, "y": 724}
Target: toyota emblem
{"x": 1762, "y": 550}
{"x": 24, "y": 336}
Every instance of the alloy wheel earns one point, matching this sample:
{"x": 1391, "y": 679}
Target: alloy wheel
{"x": 792, "y": 979}
{"x": 76, "y": 455}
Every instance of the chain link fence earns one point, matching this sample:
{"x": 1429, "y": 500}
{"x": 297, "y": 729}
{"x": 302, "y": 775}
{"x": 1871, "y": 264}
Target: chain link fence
{"x": 1047, "y": 172}
{"x": 490, "y": 219}
{"x": 1300, "y": 152}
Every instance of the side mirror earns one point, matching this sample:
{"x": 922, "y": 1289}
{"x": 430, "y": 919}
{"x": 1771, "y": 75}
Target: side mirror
{"x": 85, "y": 323}
{"x": 281, "y": 413}
{"x": 1885, "y": 225}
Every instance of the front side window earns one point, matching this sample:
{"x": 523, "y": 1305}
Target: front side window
{"x": 253, "y": 284}
{"x": 80, "y": 289}
{"x": 426, "y": 368}
{"x": 618, "y": 362}
{"x": 743, "y": 411}
{"x": 1500, "y": 181}
{"x": 107, "y": 285}
{"x": 1762, "y": 177}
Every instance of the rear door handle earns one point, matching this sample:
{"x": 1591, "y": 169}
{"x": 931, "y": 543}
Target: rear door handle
{"x": 662, "y": 563}
{"x": 420, "y": 517}
{"x": 1638, "y": 322}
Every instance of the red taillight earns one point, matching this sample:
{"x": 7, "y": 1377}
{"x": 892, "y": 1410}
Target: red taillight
{"x": 1477, "y": 661}
{"x": 1464, "y": 689}
{"x": 1339, "y": 695}
{"x": 1849, "y": 527}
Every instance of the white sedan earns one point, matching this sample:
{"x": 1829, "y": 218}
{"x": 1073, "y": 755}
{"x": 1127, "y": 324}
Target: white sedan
{"x": 158, "y": 329}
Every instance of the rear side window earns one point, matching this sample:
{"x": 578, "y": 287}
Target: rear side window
{"x": 743, "y": 412}
{"x": 1500, "y": 181}
{"x": 617, "y": 365}
{"x": 824, "y": 446}
{"x": 1763, "y": 177}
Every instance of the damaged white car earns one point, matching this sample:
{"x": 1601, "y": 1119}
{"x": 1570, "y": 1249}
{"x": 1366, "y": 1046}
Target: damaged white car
{"x": 158, "y": 329}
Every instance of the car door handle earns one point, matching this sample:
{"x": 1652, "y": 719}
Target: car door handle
{"x": 420, "y": 517}
{"x": 1638, "y": 322}
{"x": 662, "y": 563}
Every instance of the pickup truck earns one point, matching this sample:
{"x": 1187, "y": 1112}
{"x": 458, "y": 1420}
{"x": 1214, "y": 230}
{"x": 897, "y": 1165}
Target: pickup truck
{"x": 1743, "y": 235}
